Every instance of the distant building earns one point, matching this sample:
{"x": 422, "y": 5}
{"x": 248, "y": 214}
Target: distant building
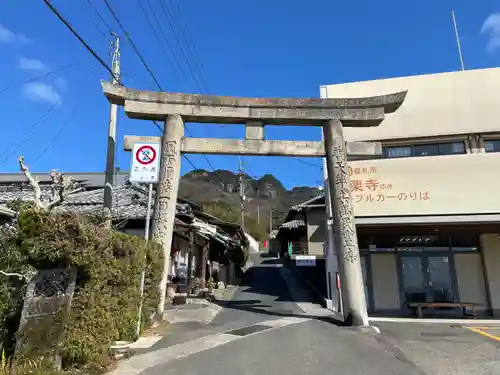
{"x": 428, "y": 210}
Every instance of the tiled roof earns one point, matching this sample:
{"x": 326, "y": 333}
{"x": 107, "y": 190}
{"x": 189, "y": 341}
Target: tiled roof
{"x": 315, "y": 200}
{"x": 294, "y": 224}
{"x": 4, "y": 211}
{"x": 129, "y": 201}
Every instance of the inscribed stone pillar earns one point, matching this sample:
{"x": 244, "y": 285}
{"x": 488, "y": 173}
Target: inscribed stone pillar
{"x": 166, "y": 191}
{"x": 345, "y": 237}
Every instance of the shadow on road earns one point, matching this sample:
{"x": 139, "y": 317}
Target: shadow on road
{"x": 263, "y": 291}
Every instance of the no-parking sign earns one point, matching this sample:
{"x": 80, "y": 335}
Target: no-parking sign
{"x": 145, "y": 163}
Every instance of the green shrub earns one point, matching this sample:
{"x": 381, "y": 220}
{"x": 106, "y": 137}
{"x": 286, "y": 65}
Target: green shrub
{"x": 106, "y": 299}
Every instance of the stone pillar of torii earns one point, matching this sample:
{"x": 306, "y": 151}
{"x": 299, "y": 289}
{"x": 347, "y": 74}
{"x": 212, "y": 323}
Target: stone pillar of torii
{"x": 331, "y": 114}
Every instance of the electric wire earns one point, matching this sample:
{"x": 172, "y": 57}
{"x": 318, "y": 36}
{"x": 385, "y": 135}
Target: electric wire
{"x": 82, "y": 41}
{"x": 38, "y": 77}
{"x": 154, "y": 31}
{"x": 168, "y": 16}
{"x": 194, "y": 51}
{"x": 110, "y": 30}
{"x": 169, "y": 45}
{"x": 134, "y": 46}
{"x": 103, "y": 33}
{"x": 62, "y": 128}
{"x": 23, "y": 142}
{"x": 150, "y": 71}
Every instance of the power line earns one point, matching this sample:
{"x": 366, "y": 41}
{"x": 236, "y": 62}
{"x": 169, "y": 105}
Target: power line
{"x": 169, "y": 45}
{"x": 168, "y": 15}
{"x": 136, "y": 50}
{"x": 103, "y": 33}
{"x": 75, "y": 33}
{"x": 61, "y": 129}
{"x": 38, "y": 77}
{"x": 110, "y": 30}
{"x": 63, "y": 126}
{"x": 32, "y": 127}
{"x": 194, "y": 51}
{"x": 154, "y": 30}
{"x": 138, "y": 53}
{"x": 308, "y": 163}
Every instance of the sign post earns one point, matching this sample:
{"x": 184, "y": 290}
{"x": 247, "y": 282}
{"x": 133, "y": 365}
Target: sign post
{"x": 145, "y": 169}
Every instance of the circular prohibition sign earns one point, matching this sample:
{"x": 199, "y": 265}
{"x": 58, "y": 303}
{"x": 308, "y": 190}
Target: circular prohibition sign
{"x": 145, "y": 155}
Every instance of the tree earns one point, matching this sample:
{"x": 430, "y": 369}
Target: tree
{"x": 61, "y": 187}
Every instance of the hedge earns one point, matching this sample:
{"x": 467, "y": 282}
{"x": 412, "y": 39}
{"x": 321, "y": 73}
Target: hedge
{"x": 107, "y": 296}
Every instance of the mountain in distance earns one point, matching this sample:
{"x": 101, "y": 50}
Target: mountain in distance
{"x": 262, "y": 194}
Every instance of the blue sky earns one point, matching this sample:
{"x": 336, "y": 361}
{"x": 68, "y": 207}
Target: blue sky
{"x": 262, "y": 48}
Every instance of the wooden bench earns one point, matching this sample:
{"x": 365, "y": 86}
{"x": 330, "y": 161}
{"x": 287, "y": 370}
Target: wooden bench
{"x": 436, "y": 305}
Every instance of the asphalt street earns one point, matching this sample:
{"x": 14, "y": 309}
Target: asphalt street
{"x": 263, "y": 295}
{"x": 263, "y": 331}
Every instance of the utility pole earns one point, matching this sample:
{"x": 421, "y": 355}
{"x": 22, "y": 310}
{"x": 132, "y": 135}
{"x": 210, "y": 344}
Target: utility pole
{"x": 258, "y": 205}
{"x": 270, "y": 220}
{"x": 241, "y": 173}
{"x": 113, "y": 117}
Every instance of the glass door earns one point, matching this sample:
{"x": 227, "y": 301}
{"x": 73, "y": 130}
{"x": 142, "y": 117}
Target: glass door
{"x": 440, "y": 286}
{"x": 414, "y": 283}
{"x": 426, "y": 277}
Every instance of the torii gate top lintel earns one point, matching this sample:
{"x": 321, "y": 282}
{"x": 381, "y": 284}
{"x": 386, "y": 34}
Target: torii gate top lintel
{"x": 152, "y": 105}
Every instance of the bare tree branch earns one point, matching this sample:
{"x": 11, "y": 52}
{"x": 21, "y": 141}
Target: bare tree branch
{"x": 62, "y": 186}
{"x": 65, "y": 186}
{"x": 34, "y": 183}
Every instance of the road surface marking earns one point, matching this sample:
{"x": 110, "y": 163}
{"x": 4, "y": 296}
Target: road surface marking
{"x": 482, "y": 322}
{"x": 137, "y": 364}
{"x": 483, "y": 333}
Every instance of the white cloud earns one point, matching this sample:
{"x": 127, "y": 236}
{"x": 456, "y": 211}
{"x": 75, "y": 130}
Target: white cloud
{"x": 61, "y": 84}
{"x": 491, "y": 27}
{"x": 31, "y": 64}
{"x": 8, "y": 36}
{"x": 41, "y": 92}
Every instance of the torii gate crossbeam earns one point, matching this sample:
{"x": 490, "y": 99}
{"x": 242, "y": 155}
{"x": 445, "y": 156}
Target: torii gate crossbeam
{"x": 255, "y": 113}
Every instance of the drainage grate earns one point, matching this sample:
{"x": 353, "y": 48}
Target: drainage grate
{"x": 248, "y": 330}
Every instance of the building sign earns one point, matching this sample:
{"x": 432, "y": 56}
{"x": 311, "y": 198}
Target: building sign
{"x": 305, "y": 260}
{"x": 434, "y": 185}
{"x": 366, "y": 186}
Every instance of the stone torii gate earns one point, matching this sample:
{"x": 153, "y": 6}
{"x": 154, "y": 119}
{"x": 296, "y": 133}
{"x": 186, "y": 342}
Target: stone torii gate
{"x": 331, "y": 114}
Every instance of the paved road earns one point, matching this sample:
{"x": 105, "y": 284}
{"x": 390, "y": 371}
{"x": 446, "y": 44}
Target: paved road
{"x": 278, "y": 337}
{"x": 263, "y": 295}
{"x": 306, "y": 346}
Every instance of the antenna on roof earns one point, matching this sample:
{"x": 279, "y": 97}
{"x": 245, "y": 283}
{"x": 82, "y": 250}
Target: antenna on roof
{"x": 458, "y": 40}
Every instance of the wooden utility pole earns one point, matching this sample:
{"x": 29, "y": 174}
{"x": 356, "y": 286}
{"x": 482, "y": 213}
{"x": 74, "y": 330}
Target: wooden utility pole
{"x": 110, "y": 154}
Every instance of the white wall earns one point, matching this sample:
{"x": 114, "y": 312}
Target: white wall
{"x": 459, "y": 102}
